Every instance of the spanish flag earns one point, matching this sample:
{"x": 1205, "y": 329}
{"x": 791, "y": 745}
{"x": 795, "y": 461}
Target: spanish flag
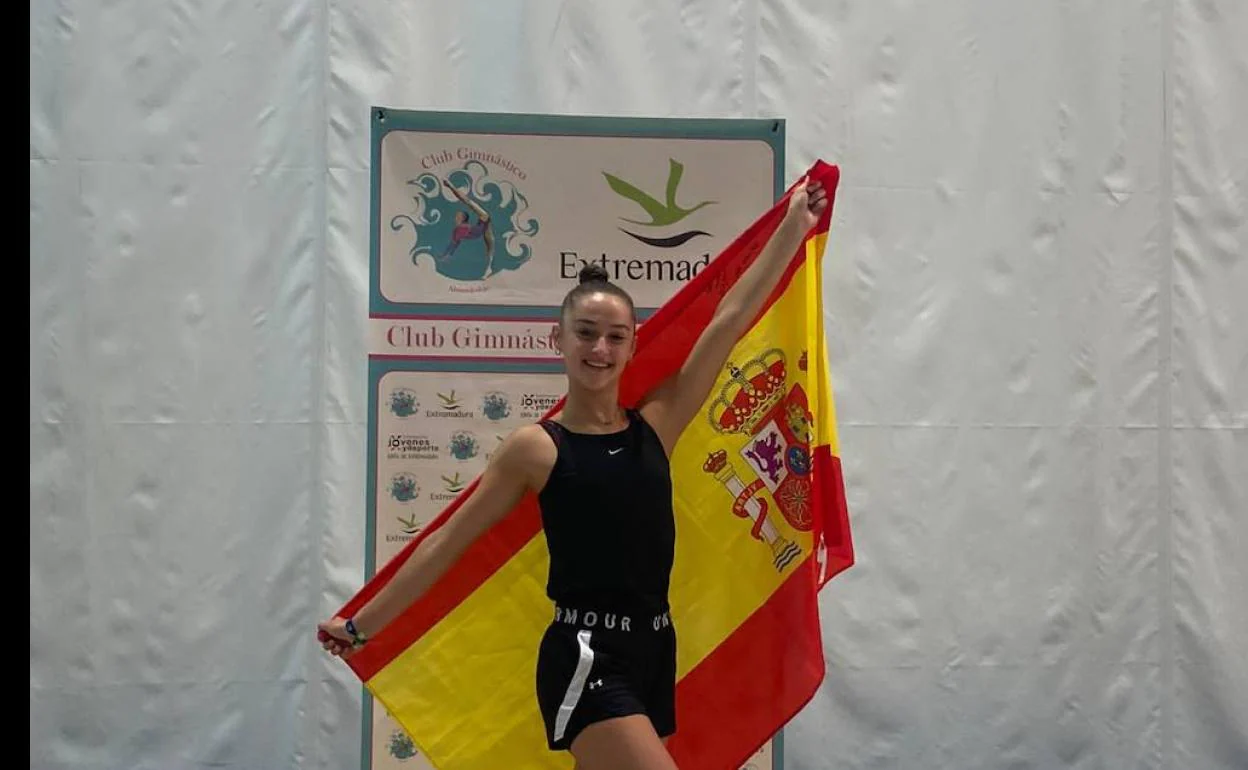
{"x": 761, "y": 526}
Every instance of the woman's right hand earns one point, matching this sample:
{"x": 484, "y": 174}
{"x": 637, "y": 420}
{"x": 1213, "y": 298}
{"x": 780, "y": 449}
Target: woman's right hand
{"x": 334, "y": 638}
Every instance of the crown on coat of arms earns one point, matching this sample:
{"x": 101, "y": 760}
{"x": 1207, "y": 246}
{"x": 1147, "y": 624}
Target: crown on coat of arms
{"x": 715, "y": 462}
{"x": 750, "y": 393}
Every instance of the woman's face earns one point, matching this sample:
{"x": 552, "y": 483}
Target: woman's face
{"x": 597, "y": 337}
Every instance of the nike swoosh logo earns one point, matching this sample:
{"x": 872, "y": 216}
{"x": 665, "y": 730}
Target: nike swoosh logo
{"x": 615, "y": 451}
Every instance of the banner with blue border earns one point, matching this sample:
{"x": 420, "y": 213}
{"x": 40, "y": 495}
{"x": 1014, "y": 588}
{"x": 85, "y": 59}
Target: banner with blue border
{"x": 480, "y": 223}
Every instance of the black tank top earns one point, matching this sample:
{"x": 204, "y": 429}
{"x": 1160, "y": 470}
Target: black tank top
{"x": 607, "y": 514}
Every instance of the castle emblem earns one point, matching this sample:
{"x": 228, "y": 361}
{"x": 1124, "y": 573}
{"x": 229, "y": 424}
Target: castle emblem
{"x": 757, "y": 403}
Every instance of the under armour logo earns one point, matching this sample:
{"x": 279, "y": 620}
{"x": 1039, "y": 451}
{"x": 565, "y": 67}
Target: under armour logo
{"x": 595, "y": 685}
{"x": 617, "y": 450}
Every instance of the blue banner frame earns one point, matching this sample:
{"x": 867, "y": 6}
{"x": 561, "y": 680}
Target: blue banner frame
{"x": 383, "y": 120}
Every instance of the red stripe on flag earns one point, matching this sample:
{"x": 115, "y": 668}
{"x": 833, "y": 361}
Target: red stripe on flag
{"x": 754, "y": 682}
{"x": 769, "y": 668}
{"x": 834, "y": 524}
{"x": 481, "y": 560}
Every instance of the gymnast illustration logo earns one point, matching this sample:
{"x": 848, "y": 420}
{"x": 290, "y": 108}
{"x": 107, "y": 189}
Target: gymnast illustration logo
{"x": 758, "y": 404}
{"x": 403, "y": 403}
{"x": 401, "y": 746}
{"x": 464, "y": 445}
{"x": 466, "y": 225}
{"x": 662, "y": 214}
{"x": 495, "y": 406}
{"x": 403, "y": 487}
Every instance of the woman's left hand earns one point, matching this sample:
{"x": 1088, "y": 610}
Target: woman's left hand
{"x": 806, "y": 204}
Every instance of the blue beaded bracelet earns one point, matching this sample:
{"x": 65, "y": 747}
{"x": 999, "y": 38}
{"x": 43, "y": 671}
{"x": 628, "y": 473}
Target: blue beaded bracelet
{"x": 357, "y": 639}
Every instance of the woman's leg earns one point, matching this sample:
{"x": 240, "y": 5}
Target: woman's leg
{"x": 622, "y": 743}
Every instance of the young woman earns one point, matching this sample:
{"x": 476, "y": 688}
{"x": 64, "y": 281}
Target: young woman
{"x": 606, "y": 669}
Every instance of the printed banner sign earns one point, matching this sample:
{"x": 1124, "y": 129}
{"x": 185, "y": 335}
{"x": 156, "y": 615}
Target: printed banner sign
{"x": 510, "y": 219}
{"x": 480, "y": 225}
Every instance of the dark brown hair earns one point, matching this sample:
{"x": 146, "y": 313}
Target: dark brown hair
{"x": 595, "y": 278}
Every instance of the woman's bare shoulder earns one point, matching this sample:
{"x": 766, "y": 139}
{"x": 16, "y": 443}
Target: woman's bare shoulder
{"x": 528, "y": 450}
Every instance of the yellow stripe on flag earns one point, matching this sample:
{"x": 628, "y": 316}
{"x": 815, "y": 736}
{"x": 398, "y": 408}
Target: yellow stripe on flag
{"x": 821, "y": 385}
{"x": 723, "y": 573}
{"x": 477, "y": 665}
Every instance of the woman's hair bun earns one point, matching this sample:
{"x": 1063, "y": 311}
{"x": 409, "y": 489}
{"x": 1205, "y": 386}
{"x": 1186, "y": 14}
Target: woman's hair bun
{"x": 593, "y": 272}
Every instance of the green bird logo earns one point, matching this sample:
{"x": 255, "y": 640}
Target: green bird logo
{"x": 453, "y": 484}
{"x": 662, "y": 213}
{"x": 410, "y": 527}
{"x": 449, "y": 400}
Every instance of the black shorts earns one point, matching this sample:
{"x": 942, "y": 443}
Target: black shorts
{"x": 595, "y": 665}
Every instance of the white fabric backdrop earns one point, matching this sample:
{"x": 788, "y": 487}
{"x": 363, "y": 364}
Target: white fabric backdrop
{"x": 1036, "y": 306}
